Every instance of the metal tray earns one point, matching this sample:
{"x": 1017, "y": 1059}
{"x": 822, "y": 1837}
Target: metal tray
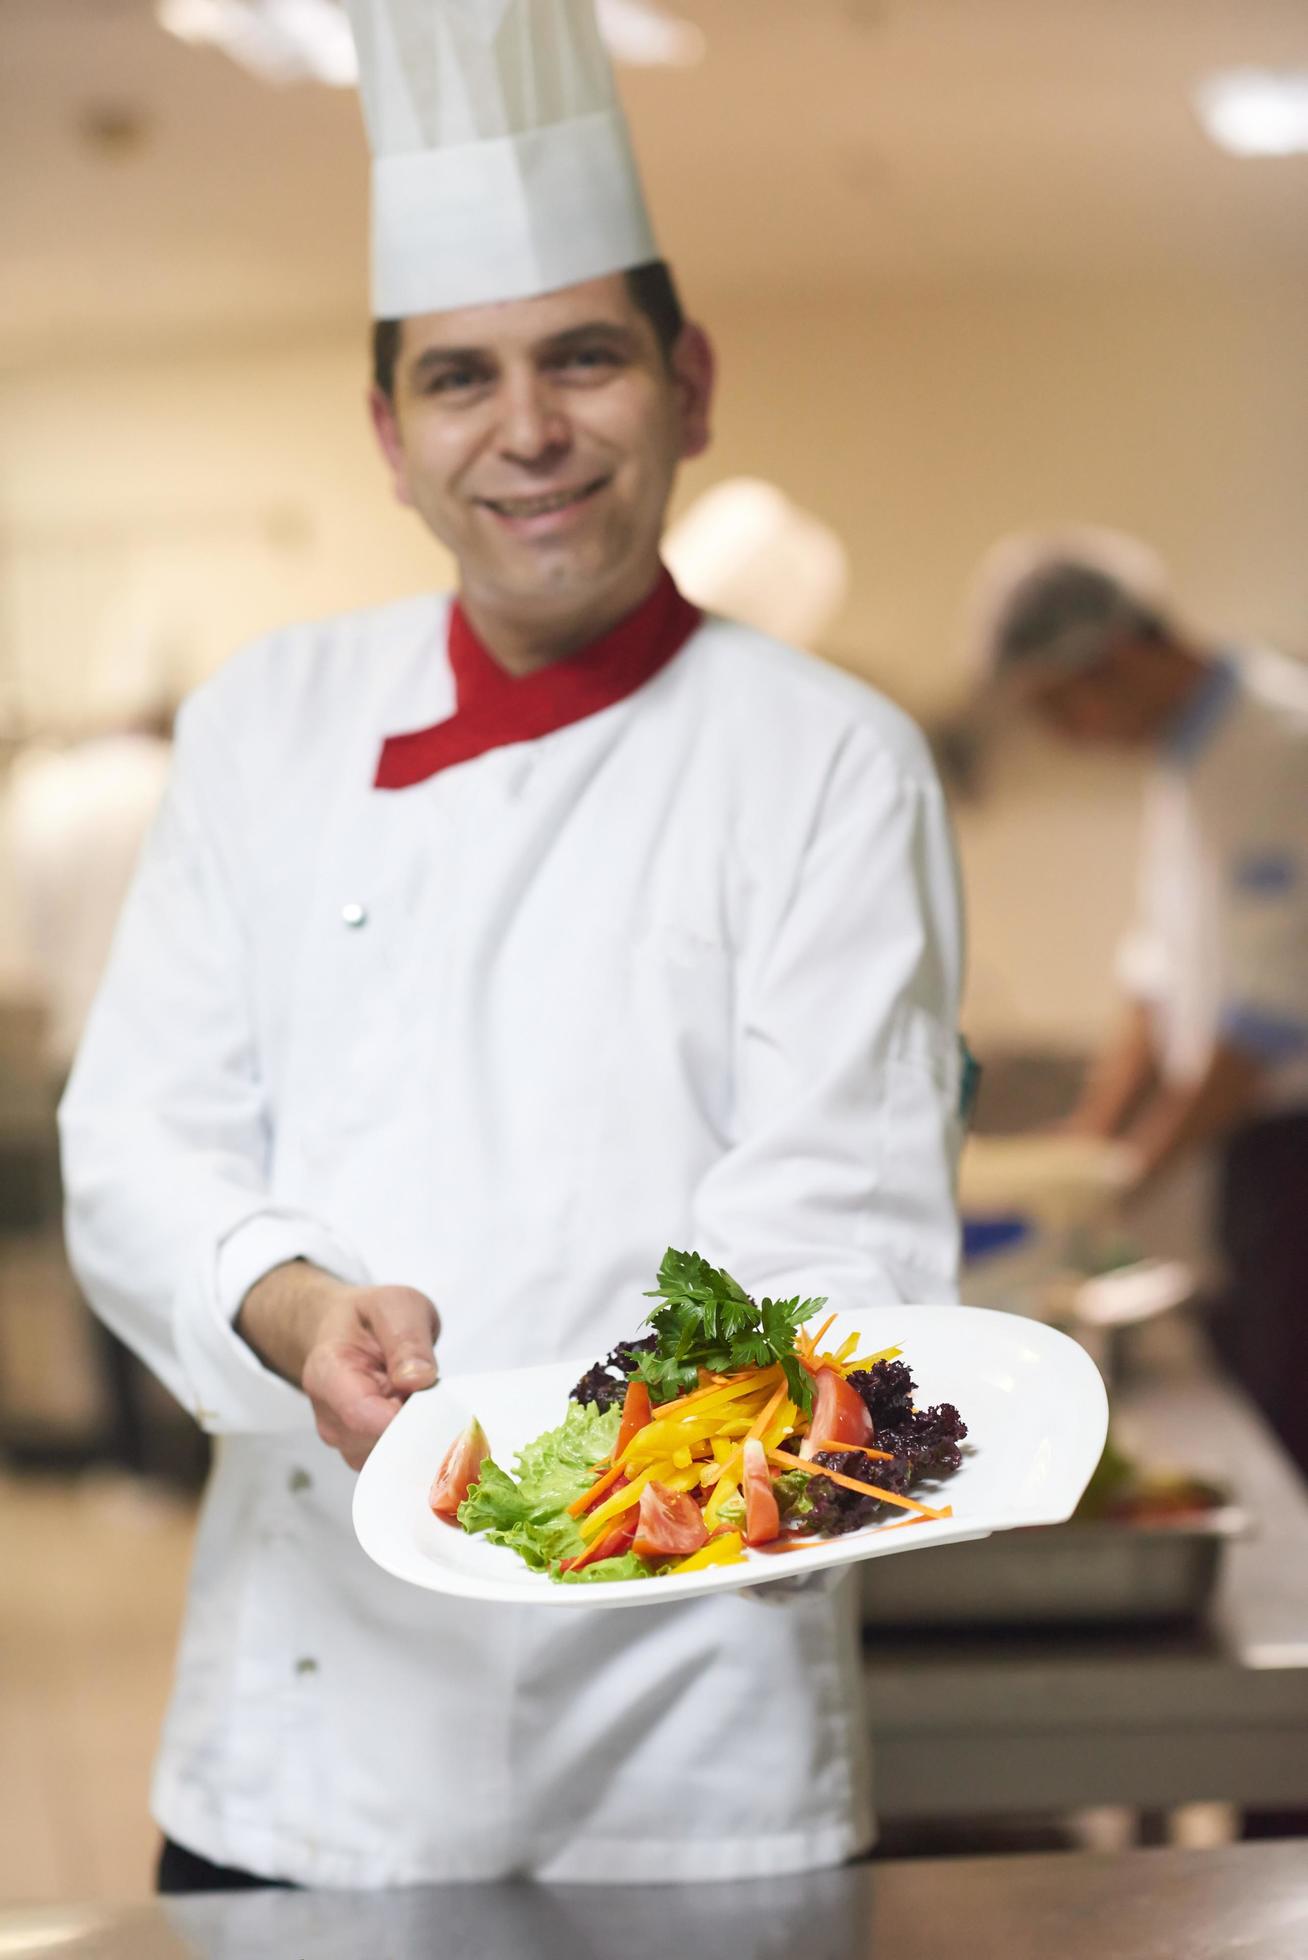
{"x": 1055, "y": 1575}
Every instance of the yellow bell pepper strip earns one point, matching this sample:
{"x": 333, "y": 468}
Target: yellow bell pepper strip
{"x": 726, "y": 1386}
{"x": 864, "y": 1361}
{"x": 730, "y": 1474}
{"x": 725, "y": 1549}
{"x": 614, "y": 1506}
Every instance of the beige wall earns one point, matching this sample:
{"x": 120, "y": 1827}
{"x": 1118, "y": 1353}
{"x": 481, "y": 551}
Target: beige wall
{"x": 201, "y": 498}
{"x": 924, "y": 425}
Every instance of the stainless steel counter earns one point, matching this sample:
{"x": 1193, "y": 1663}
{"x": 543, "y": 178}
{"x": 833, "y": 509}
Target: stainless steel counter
{"x": 973, "y": 1724}
{"x": 1249, "y": 1900}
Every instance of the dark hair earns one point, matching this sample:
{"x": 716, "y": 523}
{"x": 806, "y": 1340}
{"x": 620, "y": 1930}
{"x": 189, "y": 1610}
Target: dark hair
{"x": 652, "y": 289}
{"x": 1067, "y": 609}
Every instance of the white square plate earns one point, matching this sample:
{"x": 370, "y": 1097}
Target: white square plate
{"x": 1034, "y": 1405}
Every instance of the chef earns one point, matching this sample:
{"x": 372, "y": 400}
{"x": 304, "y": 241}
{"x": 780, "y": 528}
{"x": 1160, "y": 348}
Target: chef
{"x": 484, "y": 949}
{"x": 1212, "y": 1048}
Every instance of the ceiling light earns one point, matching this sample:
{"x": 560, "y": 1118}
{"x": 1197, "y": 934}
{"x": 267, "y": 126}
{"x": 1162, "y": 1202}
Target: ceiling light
{"x": 310, "y": 40}
{"x": 1256, "y": 112}
{"x": 642, "y": 36}
{"x": 277, "y": 40}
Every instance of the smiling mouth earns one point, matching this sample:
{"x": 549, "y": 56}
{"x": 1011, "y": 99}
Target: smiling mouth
{"x": 543, "y": 506}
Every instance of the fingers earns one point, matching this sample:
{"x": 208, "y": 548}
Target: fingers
{"x": 376, "y": 1350}
{"x": 405, "y": 1324}
{"x": 349, "y": 1390}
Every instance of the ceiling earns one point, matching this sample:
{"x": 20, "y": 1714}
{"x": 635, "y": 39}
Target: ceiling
{"x": 153, "y": 192}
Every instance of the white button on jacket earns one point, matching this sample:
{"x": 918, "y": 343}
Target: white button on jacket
{"x": 689, "y": 977}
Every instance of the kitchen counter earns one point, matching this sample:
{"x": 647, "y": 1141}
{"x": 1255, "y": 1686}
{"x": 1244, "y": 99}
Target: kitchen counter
{"x": 966, "y": 1724}
{"x": 1249, "y": 1900}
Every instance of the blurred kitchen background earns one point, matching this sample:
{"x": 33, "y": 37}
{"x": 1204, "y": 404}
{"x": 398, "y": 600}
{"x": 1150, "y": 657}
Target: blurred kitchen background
{"x": 971, "y": 266}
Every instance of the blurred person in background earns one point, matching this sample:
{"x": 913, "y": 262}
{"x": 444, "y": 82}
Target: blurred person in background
{"x": 1078, "y": 630}
{"x": 483, "y": 949}
{"x": 75, "y": 819}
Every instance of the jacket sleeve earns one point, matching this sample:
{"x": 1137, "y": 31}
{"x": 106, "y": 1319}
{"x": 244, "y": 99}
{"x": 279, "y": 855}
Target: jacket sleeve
{"x": 841, "y": 1176}
{"x": 165, "y": 1124}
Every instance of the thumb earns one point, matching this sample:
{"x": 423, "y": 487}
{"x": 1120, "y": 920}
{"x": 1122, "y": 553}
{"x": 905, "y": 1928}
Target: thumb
{"x": 406, "y": 1325}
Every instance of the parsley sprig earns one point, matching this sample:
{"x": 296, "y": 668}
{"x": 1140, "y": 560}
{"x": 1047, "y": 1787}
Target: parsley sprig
{"x": 709, "y": 1321}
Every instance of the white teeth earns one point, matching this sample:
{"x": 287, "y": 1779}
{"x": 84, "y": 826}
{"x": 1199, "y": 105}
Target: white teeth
{"x": 535, "y": 506}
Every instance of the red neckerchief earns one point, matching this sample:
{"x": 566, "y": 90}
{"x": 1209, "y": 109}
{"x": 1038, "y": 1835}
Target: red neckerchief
{"x": 494, "y": 708}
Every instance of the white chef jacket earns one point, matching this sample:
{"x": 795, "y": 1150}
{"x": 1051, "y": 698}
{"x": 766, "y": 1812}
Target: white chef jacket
{"x": 1219, "y": 948}
{"x": 684, "y": 972}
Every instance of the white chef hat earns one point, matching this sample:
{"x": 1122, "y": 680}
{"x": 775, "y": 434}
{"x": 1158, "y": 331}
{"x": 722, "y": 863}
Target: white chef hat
{"x": 502, "y": 165}
{"x": 745, "y": 549}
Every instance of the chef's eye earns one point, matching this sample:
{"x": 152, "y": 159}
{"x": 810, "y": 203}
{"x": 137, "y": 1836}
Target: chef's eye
{"x": 451, "y": 382}
{"x": 586, "y": 361}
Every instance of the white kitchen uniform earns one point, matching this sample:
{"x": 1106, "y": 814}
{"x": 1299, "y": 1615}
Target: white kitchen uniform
{"x": 684, "y": 972}
{"x": 1220, "y": 945}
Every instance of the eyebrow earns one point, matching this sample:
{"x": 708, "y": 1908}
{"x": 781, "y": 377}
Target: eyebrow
{"x": 559, "y": 343}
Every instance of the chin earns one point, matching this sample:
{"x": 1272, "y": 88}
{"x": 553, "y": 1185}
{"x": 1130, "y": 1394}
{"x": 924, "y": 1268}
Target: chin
{"x": 580, "y": 575}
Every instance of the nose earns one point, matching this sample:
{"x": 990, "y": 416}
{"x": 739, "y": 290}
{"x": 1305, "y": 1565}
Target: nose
{"x": 533, "y": 430}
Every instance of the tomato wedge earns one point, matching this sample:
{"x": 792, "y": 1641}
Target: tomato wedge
{"x": 671, "y": 1524}
{"x": 459, "y": 1471}
{"x": 762, "y": 1518}
{"x": 840, "y": 1415}
{"x": 636, "y": 1412}
{"x": 609, "y": 1544}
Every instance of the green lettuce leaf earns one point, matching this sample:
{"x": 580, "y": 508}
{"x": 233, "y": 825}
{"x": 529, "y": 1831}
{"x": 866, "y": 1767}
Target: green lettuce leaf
{"x": 626, "y": 1567}
{"x": 791, "y": 1491}
{"x": 529, "y": 1514}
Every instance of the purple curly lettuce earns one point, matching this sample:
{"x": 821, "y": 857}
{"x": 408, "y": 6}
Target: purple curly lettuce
{"x": 606, "y": 1383}
{"x": 923, "y": 1444}
{"x": 887, "y": 1389}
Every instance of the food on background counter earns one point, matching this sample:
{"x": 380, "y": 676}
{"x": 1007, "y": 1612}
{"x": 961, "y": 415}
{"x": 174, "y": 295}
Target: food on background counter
{"x": 1122, "y": 1491}
{"x": 729, "y": 1426}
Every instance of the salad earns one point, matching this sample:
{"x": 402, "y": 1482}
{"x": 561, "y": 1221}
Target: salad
{"x": 729, "y": 1426}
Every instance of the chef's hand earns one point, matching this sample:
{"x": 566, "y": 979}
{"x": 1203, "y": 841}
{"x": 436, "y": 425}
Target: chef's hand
{"x": 358, "y": 1352}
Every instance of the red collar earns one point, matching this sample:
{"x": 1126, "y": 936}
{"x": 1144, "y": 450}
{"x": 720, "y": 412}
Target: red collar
{"x": 494, "y": 709}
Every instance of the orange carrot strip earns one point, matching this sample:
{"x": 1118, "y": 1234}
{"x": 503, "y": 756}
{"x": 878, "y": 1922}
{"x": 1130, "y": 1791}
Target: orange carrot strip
{"x": 729, "y": 1475}
{"x": 764, "y": 1416}
{"x": 882, "y": 1456}
{"x": 662, "y": 1409}
{"x": 927, "y": 1518}
{"x": 812, "y": 1346}
{"x": 852, "y": 1483}
{"x": 581, "y": 1504}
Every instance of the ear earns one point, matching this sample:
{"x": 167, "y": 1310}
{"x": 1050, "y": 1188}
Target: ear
{"x": 694, "y": 372}
{"x": 386, "y": 427}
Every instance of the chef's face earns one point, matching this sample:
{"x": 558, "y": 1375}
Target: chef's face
{"x": 539, "y": 438}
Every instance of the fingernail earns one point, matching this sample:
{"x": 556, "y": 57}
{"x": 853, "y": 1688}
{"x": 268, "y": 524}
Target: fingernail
{"x": 414, "y": 1370}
